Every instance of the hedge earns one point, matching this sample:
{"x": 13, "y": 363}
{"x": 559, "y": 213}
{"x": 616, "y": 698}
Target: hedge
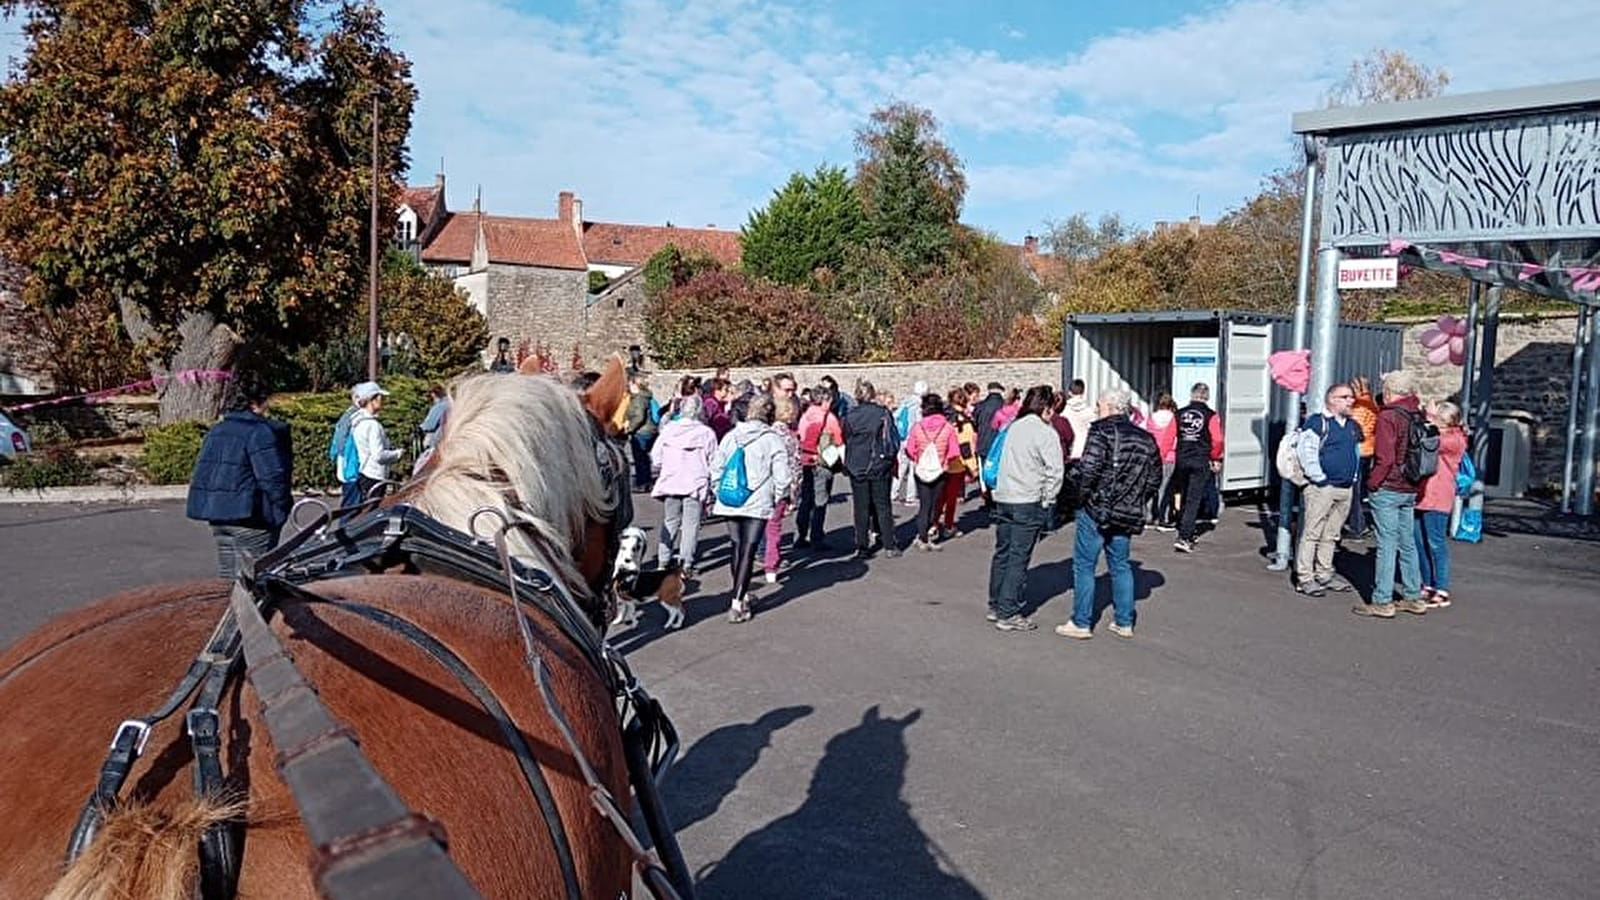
{"x": 46, "y": 468}
{"x": 170, "y": 451}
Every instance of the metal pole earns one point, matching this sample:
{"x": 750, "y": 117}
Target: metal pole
{"x": 1483, "y": 397}
{"x": 1325, "y": 339}
{"x": 1579, "y": 343}
{"x": 372, "y": 258}
{"x": 1469, "y": 365}
{"x": 1283, "y": 551}
{"x": 1591, "y": 421}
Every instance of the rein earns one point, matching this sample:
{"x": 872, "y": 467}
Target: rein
{"x": 369, "y": 845}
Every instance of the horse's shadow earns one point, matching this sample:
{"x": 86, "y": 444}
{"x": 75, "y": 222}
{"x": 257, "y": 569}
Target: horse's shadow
{"x": 853, "y": 837}
{"x": 711, "y": 769}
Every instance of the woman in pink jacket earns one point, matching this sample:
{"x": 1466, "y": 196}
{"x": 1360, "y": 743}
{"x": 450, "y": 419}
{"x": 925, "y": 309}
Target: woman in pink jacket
{"x": 681, "y": 458}
{"x": 1435, "y": 500}
{"x": 933, "y": 429}
{"x": 1163, "y": 426}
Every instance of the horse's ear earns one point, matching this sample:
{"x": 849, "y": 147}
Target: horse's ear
{"x": 607, "y": 399}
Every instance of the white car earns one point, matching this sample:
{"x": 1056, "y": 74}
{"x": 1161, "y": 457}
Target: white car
{"x": 13, "y": 440}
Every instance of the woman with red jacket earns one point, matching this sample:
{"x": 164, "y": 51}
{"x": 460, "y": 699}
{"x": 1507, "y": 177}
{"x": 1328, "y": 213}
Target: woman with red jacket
{"x": 1435, "y": 500}
{"x": 934, "y": 430}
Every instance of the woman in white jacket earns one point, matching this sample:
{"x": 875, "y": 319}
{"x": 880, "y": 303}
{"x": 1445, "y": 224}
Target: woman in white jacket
{"x": 766, "y": 470}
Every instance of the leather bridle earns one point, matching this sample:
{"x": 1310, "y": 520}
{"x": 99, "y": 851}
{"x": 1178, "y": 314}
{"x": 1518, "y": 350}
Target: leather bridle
{"x": 368, "y": 843}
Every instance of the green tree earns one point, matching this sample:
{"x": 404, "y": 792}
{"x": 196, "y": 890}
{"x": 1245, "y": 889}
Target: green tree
{"x": 444, "y": 332}
{"x": 1078, "y": 240}
{"x": 911, "y": 184}
{"x": 672, "y": 267}
{"x": 804, "y": 230}
{"x": 199, "y": 168}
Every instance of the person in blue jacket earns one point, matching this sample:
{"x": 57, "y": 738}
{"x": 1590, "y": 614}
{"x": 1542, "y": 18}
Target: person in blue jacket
{"x": 241, "y": 482}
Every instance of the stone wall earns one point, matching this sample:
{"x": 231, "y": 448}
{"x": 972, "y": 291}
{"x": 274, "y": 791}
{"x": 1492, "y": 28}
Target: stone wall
{"x": 538, "y": 306}
{"x": 1532, "y": 381}
{"x": 895, "y": 377}
{"x": 24, "y": 355}
{"x": 124, "y": 418}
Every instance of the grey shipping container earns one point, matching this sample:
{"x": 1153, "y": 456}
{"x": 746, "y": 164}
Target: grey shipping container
{"x": 1136, "y": 351}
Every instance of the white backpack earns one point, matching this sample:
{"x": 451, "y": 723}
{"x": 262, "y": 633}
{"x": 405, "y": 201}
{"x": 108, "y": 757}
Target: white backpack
{"x": 930, "y": 462}
{"x": 1288, "y": 459}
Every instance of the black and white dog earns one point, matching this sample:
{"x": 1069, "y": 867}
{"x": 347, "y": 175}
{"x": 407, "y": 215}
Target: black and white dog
{"x": 634, "y": 585}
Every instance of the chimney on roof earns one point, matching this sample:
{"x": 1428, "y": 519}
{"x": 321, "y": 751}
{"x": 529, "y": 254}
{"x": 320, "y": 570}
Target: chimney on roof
{"x": 564, "y": 204}
{"x": 1030, "y": 245}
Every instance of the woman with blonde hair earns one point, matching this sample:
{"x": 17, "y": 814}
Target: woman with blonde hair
{"x": 1435, "y": 500}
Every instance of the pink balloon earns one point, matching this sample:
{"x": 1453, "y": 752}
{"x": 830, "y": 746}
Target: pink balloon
{"x": 1433, "y": 337}
{"x": 1448, "y": 324}
{"x": 1439, "y": 355}
{"x": 1458, "y": 350}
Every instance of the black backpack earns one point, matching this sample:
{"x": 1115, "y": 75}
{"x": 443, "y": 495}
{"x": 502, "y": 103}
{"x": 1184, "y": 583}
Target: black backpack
{"x": 1422, "y": 449}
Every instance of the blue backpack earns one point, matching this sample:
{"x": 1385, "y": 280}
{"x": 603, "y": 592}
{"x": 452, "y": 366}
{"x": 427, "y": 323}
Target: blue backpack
{"x": 1466, "y": 477}
{"x": 991, "y": 463}
{"x": 734, "y": 487}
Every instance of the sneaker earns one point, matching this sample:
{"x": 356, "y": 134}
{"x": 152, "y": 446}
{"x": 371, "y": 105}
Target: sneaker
{"x": 772, "y": 578}
{"x": 1183, "y": 546}
{"x": 1375, "y": 610}
{"x": 1413, "y": 605}
{"x": 1122, "y": 631}
{"x": 1337, "y": 585}
{"x": 1439, "y": 600}
{"x": 1166, "y": 527}
{"x": 1074, "y": 630}
{"x": 923, "y": 546}
{"x": 1015, "y": 623}
{"x": 892, "y": 553}
{"x": 991, "y": 616}
{"x": 1310, "y": 589}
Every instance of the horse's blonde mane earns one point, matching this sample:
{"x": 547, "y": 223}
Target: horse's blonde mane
{"x": 525, "y": 438}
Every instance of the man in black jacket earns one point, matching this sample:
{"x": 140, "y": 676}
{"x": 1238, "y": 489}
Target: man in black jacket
{"x": 1119, "y": 473}
{"x": 871, "y": 444}
{"x": 983, "y": 418}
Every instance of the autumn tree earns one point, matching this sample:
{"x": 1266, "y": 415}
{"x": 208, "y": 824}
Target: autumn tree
{"x": 673, "y": 266}
{"x": 720, "y": 318}
{"x": 801, "y": 235}
{"x": 444, "y": 332}
{"x": 1387, "y": 76}
{"x": 911, "y": 184}
{"x": 1078, "y": 240}
{"x": 199, "y": 169}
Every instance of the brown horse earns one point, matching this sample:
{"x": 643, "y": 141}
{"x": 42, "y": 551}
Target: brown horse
{"x": 521, "y": 444}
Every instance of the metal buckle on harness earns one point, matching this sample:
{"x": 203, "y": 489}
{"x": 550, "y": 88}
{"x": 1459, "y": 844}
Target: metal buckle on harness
{"x": 141, "y": 730}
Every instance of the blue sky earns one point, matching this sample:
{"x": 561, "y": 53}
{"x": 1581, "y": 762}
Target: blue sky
{"x": 693, "y": 112}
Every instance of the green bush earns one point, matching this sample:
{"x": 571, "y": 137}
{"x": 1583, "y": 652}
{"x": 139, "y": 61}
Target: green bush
{"x": 170, "y": 452}
{"x": 50, "y": 467}
{"x": 311, "y": 418}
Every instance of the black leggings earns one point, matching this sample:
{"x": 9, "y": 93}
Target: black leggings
{"x": 744, "y": 531}
{"x": 927, "y": 502}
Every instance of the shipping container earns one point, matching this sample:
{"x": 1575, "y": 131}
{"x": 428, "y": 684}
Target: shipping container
{"x": 1149, "y": 353}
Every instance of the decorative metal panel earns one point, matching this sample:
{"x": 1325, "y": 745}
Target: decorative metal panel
{"x": 1495, "y": 180}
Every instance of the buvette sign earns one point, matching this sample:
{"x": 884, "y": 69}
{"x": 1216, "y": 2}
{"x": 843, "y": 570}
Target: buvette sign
{"x": 1360, "y": 274}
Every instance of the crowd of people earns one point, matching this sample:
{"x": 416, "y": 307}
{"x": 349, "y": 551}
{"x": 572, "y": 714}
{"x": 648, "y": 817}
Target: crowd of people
{"x": 1056, "y": 457}
{"x": 755, "y": 455}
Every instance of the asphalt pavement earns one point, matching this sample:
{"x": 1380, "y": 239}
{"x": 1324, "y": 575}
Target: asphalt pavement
{"x": 868, "y": 735}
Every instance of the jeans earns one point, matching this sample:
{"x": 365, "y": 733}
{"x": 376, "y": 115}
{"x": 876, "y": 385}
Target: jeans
{"x": 1191, "y": 480}
{"x": 869, "y": 498}
{"x": 816, "y": 489}
{"x": 1162, "y": 502}
{"x": 1433, "y": 549}
{"x": 349, "y": 493}
{"x": 1356, "y": 523}
{"x": 1392, "y": 514}
{"x": 640, "y": 448}
{"x": 1087, "y": 543}
{"x": 680, "y": 528}
{"x": 234, "y": 541}
{"x": 1323, "y": 513}
{"x": 1017, "y": 527}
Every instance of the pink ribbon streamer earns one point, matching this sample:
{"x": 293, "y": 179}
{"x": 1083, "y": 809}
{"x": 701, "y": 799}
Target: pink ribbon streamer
{"x": 185, "y": 376}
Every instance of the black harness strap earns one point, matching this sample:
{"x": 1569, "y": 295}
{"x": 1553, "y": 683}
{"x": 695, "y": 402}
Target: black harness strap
{"x": 367, "y": 840}
{"x": 491, "y": 705}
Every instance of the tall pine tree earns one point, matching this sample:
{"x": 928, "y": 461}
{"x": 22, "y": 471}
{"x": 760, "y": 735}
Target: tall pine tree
{"x": 804, "y": 230}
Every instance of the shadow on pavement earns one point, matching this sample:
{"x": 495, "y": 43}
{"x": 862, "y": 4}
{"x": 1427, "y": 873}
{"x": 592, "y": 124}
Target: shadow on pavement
{"x": 713, "y": 766}
{"x": 853, "y": 837}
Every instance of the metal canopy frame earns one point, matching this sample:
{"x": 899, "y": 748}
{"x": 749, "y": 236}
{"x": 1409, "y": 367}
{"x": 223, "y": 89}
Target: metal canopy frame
{"x": 1502, "y": 187}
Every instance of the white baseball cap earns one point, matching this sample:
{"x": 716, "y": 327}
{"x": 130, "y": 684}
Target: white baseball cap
{"x": 366, "y": 390}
